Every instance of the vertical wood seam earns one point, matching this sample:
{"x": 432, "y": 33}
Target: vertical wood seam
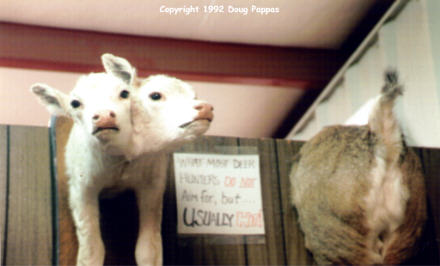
{"x": 245, "y": 244}
{"x": 5, "y": 234}
{"x": 29, "y": 222}
{"x": 280, "y": 195}
{"x": 54, "y": 192}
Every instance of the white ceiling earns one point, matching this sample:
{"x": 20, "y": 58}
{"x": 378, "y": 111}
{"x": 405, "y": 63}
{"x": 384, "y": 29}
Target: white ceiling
{"x": 299, "y": 23}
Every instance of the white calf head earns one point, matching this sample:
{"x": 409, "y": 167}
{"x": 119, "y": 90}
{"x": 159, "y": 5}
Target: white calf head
{"x": 164, "y": 111}
{"x": 99, "y": 104}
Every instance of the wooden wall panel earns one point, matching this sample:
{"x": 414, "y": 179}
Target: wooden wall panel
{"x": 430, "y": 159}
{"x": 212, "y": 250}
{"x": 295, "y": 250}
{"x": 67, "y": 239}
{"x": 29, "y": 228}
{"x": 271, "y": 252}
{"x": 3, "y": 186}
{"x": 29, "y": 239}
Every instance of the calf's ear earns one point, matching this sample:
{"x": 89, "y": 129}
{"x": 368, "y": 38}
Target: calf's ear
{"x": 54, "y": 100}
{"x": 118, "y": 67}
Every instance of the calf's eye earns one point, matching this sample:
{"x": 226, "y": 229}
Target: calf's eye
{"x": 155, "y": 96}
{"x": 75, "y": 103}
{"x": 124, "y": 94}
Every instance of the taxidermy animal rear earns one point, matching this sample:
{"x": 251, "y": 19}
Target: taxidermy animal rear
{"x": 359, "y": 190}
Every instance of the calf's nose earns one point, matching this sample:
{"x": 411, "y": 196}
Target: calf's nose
{"x": 104, "y": 114}
{"x": 204, "y": 107}
{"x": 205, "y": 111}
{"x": 106, "y": 118}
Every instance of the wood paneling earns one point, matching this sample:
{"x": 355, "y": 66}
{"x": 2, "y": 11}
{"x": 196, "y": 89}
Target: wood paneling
{"x": 3, "y": 186}
{"x": 272, "y": 251}
{"x": 283, "y": 243}
{"x": 79, "y": 51}
{"x": 29, "y": 231}
{"x": 212, "y": 250}
{"x": 67, "y": 239}
{"x": 28, "y": 201}
{"x": 295, "y": 250}
{"x": 431, "y": 167}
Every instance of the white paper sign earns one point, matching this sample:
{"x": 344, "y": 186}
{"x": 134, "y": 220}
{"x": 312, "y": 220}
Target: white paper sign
{"x": 218, "y": 194}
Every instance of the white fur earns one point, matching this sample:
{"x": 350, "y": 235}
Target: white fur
{"x": 385, "y": 204}
{"x": 160, "y": 121}
{"x": 388, "y": 196}
{"x": 133, "y": 157}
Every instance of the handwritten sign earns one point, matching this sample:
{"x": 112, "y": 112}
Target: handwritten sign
{"x": 218, "y": 194}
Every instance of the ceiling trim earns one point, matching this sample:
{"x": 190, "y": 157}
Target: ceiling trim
{"x": 370, "y": 39}
{"x": 35, "y": 47}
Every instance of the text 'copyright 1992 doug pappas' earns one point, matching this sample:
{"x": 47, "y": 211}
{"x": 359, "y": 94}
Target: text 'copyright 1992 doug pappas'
{"x": 218, "y": 194}
{"x": 218, "y": 9}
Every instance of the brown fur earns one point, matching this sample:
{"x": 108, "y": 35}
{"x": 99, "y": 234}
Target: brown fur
{"x": 332, "y": 183}
{"x": 404, "y": 244}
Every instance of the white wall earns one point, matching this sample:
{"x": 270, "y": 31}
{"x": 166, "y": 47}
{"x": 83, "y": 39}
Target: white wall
{"x": 411, "y": 44}
{"x": 240, "y": 110}
{"x": 18, "y": 105}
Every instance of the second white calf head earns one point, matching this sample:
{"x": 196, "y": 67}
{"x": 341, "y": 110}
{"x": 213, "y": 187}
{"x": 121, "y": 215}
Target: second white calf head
{"x": 170, "y": 105}
{"x": 165, "y": 111}
{"x": 99, "y": 104}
